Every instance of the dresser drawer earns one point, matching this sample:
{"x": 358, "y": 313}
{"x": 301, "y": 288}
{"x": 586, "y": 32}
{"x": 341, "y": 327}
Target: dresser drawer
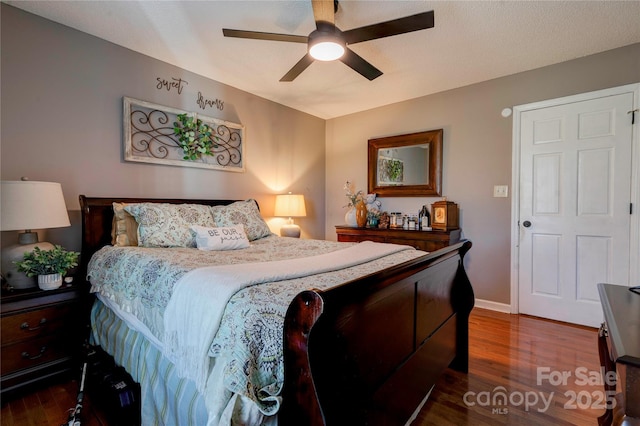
{"x": 33, "y": 352}
{"x": 31, "y": 324}
{"x": 422, "y": 240}
{"x": 357, "y": 239}
{"x": 426, "y": 245}
{"x": 418, "y": 244}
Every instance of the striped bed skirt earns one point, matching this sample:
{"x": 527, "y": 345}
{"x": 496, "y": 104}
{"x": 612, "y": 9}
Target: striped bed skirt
{"x": 166, "y": 399}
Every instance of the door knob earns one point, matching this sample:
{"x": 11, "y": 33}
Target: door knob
{"x": 526, "y": 224}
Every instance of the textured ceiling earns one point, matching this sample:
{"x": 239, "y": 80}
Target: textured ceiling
{"x": 471, "y": 42}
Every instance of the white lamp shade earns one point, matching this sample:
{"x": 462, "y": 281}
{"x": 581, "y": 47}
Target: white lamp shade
{"x": 290, "y": 205}
{"x": 27, "y": 205}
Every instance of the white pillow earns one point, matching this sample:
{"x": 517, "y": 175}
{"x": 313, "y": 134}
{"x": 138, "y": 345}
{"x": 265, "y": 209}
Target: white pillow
{"x": 222, "y": 238}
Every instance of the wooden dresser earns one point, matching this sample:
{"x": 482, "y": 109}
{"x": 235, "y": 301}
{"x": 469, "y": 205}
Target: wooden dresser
{"x": 619, "y": 347}
{"x": 41, "y": 332}
{"x": 422, "y": 240}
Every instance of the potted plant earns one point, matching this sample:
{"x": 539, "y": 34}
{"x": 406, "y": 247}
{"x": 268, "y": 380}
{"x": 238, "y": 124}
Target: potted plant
{"x": 48, "y": 265}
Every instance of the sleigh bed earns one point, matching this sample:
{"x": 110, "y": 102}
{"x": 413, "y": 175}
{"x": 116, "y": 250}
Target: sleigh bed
{"x": 350, "y": 342}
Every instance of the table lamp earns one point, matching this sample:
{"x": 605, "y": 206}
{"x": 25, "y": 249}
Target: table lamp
{"x": 26, "y": 205}
{"x": 290, "y": 205}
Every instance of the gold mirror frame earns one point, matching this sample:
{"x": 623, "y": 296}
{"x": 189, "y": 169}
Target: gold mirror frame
{"x": 433, "y": 138}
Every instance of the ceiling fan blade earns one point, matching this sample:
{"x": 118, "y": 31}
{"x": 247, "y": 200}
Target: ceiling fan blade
{"x": 298, "y": 68}
{"x": 323, "y": 10}
{"x": 355, "y": 61}
{"x": 420, "y": 21}
{"x": 264, "y": 36}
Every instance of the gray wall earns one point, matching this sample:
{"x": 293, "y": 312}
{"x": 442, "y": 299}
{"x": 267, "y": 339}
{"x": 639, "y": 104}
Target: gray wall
{"x": 62, "y": 121}
{"x": 477, "y": 150}
{"x": 61, "y": 113}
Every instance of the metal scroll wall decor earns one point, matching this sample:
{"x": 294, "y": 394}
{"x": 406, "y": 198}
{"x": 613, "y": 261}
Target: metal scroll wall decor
{"x": 149, "y": 138}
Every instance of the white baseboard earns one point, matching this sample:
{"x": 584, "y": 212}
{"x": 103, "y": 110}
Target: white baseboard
{"x": 493, "y": 306}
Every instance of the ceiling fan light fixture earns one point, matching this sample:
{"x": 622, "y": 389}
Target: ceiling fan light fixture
{"x": 326, "y": 51}
{"x": 326, "y": 46}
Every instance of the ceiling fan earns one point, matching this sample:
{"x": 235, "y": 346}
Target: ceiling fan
{"x": 328, "y": 43}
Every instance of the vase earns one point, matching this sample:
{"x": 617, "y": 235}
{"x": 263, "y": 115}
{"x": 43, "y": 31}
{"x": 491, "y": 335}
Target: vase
{"x": 49, "y": 281}
{"x": 361, "y": 214}
{"x": 350, "y": 217}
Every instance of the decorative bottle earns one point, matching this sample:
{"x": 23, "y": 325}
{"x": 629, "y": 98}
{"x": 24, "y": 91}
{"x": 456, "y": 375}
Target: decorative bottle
{"x": 361, "y": 214}
{"x": 425, "y": 219}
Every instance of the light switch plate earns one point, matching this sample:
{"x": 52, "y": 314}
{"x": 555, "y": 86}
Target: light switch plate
{"x": 501, "y": 191}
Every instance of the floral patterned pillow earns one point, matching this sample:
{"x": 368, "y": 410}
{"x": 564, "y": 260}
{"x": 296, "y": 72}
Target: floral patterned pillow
{"x": 242, "y": 212}
{"x": 168, "y": 225}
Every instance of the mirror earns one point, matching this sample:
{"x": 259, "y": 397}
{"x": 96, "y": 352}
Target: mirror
{"x": 406, "y": 165}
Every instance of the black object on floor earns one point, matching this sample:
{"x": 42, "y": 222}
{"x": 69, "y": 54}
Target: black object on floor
{"x": 112, "y": 389}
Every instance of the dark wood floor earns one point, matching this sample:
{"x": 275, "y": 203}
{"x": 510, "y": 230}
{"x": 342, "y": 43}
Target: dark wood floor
{"x": 509, "y": 355}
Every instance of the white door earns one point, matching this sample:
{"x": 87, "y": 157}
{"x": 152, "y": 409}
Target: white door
{"x": 574, "y": 211}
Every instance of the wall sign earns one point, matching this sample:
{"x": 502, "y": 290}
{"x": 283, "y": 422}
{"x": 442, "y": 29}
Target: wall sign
{"x": 178, "y": 84}
{"x": 175, "y": 83}
{"x": 149, "y": 138}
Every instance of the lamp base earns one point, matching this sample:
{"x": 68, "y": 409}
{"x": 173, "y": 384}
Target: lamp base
{"x": 16, "y": 279}
{"x": 290, "y": 230}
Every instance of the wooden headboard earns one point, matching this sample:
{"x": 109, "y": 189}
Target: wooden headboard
{"x": 97, "y": 217}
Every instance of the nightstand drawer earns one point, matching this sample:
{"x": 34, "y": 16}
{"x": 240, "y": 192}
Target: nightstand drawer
{"x": 33, "y": 352}
{"x": 41, "y": 334}
{"x": 31, "y": 324}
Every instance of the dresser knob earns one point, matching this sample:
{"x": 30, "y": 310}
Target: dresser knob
{"x": 26, "y": 355}
{"x": 25, "y": 325}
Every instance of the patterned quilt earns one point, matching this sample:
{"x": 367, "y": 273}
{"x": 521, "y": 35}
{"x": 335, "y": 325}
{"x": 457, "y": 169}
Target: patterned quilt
{"x": 248, "y": 344}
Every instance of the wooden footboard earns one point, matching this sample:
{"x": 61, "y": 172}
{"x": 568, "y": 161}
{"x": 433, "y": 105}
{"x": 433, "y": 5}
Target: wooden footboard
{"x": 369, "y": 351}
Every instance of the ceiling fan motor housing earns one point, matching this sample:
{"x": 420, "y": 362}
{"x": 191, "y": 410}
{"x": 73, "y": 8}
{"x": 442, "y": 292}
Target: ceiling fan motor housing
{"x": 326, "y": 43}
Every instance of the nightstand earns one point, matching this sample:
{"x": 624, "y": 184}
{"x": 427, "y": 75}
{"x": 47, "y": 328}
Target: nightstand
{"x": 41, "y": 335}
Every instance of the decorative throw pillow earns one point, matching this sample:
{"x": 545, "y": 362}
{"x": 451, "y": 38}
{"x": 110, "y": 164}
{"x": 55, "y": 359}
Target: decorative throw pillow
{"x": 245, "y": 213}
{"x": 223, "y": 238}
{"x": 168, "y": 225}
{"x": 124, "y": 228}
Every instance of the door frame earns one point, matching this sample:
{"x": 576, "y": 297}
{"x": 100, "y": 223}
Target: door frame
{"x": 634, "y": 272}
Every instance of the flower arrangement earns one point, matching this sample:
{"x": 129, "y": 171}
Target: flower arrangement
{"x": 373, "y": 214}
{"x": 194, "y": 137}
{"x": 45, "y": 262}
{"x": 353, "y": 197}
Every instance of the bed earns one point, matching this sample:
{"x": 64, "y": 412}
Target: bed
{"x": 352, "y": 342}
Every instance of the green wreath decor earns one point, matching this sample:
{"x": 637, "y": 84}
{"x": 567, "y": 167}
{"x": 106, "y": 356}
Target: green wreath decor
{"x": 194, "y": 137}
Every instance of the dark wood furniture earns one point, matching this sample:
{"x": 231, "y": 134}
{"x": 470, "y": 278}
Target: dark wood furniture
{"x": 422, "y": 240}
{"x": 42, "y": 333}
{"x": 367, "y": 351}
{"x": 619, "y": 347}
